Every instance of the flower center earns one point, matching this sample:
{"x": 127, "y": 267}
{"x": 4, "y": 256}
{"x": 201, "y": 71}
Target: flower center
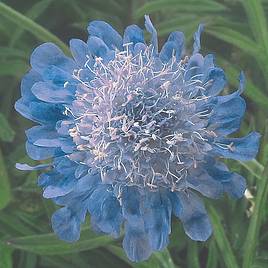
{"x": 137, "y": 120}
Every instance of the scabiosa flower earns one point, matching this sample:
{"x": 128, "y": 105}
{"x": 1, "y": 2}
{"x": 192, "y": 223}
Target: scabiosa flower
{"x": 135, "y": 135}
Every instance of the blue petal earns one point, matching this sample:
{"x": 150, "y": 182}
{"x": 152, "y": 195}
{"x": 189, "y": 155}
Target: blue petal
{"x": 41, "y": 153}
{"x": 202, "y": 182}
{"x": 98, "y": 48}
{"x": 194, "y": 217}
{"x": 150, "y": 28}
{"x": 217, "y": 79}
{"x": 60, "y": 187}
{"x": 105, "y": 32}
{"x": 133, "y": 34}
{"x": 236, "y": 187}
{"x": 227, "y": 116}
{"x": 175, "y": 202}
{"x": 197, "y": 36}
{"x": 50, "y": 93}
{"x": 194, "y": 67}
{"x": 242, "y": 149}
{"x": 26, "y": 84}
{"x": 39, "y": 132}
{"x": 49, "y": 54}
{"x": 131, "y": 199}
{"x": 136, "y": 243}
{"x": 66, "y": 225}
{"x": 174, "y": 45}
{"x": 105, "y": 210}
{"x": 27, "y": 167}
{"x": 46, "y": 113}
{"x": 79, "y": 51}
{"x": 157, "y": 219}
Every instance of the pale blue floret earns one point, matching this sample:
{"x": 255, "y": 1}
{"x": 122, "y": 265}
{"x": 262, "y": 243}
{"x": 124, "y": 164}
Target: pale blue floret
{"x": 136, "y": 135}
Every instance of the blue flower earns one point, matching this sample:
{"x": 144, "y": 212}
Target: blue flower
{"x": 135, "y": 134}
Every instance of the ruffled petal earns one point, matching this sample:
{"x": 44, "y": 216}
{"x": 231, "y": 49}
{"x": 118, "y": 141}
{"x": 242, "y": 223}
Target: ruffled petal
{"x": 202, "y": 182}
{"x": 194, "y": 217}
{"x": 105, "y": 210}
{"x": 99, "y": 49}
{"x": 136, "y": 243}
{"x": 197, "y": 36}
{"x": 242, "y": 149}
{"x": 236, "y": 187}
{"x": 48, "y": 92}
{"x": 66, "y": 225}
{"x": 49, "y": 54}
{"x": 105, "y": 32}
{"x": 227, "y": 116}
{"x": 174, "y": 45}
{"x": 150, "y": 28}
{"x": 79, "y": 51}
{"x": 41, "y": 153}
{"x": 157, "y": 219}
{"x": 216, "y": 82}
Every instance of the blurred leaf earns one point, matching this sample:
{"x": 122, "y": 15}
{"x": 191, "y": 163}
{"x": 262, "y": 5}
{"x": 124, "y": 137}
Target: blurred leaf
{"x": 7, "y": 134}
{"x": 35, "y": 11}
{"x": 49, "y": 244}
{"x": 12, "y": 52}
{"x": 254, "y": 167}
{"x": 212, "y": 260}
{"x": 252, "y": 91}
{"x": 161, "y": 259}
{"x": 192, "y": 254}
{"x": 13, "y": 67}
{"x": 5, "y": 257}
{"x": 255, "y": 221}
{"x": 25, "y": 23}
{"x": 5, "y": 192}
{"x": 191, "y": 6}
{"x": 257, "y": 21}
{"x": 234, "y": 38}
{"x": 222, "y": 241}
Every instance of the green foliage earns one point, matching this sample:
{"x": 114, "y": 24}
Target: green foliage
{"x": 236, "y": 31}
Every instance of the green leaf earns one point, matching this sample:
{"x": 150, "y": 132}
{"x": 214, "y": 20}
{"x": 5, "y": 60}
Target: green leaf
{"x": 234, "y": 38}
{"x": 35, "y": 11}
{"x": 49, "y": 244}
{"x": 182, "y": 6}
{"x": 13, "y": 67}
{"x": 192, "y": 254}
{"x": 161, "y": 259}
{"x": 5, "y": 192}
{"x": 255, "y": 221}
{"x": 221, "y": 239}
{"x": 12, "y": 52}
{"x": 252, "y": 91}
{"x": 5, "y": 257}
{"x": 254, "y": 168}
{"x": 257, "y": 21}
{"x": 26, "y": 23}
{"x": 212, "y": 260}
{"x": 6, "y": 132}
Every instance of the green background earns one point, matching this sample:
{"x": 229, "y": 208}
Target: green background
{"x": 236, "y": 31}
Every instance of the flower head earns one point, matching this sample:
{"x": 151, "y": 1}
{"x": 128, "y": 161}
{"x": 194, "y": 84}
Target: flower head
{"x": 135, "y": 134}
